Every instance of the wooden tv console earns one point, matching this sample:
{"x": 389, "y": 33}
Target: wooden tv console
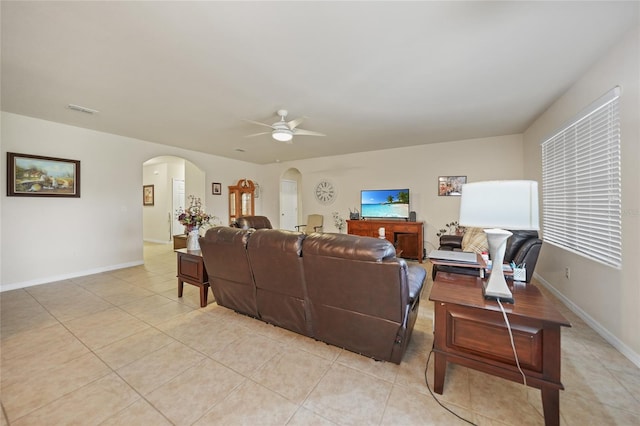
{"x": 405, "y": 236}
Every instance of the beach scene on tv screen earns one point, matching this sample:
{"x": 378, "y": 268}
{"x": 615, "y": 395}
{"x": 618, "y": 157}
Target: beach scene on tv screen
{"x": 385, "y": 203}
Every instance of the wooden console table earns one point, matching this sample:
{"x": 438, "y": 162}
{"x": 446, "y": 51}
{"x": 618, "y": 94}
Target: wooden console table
{"x": 191, "y": 270}
{"x": 407, "y": 237}
{"x": 180, "y": 241}
{"x": 470, "y": 331}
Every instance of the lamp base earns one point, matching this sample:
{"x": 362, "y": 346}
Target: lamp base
{"x": 502, "y": 297}
{"x": 496, "y": 287}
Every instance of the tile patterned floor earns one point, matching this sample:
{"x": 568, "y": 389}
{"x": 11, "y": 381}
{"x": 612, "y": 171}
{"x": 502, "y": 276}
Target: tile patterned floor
{"x": 120, "y": 348}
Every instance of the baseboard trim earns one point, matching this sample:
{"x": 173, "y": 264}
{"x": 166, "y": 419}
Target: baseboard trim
{"x": 598, "y": 328}
{"x": 147, "y": 240}
{"x": 46, "y": 280}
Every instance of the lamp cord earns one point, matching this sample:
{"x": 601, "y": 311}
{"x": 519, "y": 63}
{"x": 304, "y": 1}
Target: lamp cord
{"x": 515, "y": 354}
{"x": 426, "y": 380}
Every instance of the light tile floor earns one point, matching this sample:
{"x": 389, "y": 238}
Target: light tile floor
{"x": 120, "y": 348}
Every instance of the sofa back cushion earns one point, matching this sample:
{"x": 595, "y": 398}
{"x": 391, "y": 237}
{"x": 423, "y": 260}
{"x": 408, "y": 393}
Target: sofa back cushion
{"x": 230, "y": 276}
{"x": 515, "y": 242}
{"x": 276, "y": 261}
{"x": 358, "y": 292}
{"x": 252, "y": 222}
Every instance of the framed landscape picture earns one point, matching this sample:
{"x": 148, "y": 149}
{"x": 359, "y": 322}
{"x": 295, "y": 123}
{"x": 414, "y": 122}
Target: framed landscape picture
{"x": 450, "y": 185}
{"x": 38, "y": 176}
{"x": 147, "y": 195}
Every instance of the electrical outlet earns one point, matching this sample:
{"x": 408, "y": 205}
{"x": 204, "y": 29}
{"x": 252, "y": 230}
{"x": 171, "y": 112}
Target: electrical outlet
{"x": 567, "y": 273}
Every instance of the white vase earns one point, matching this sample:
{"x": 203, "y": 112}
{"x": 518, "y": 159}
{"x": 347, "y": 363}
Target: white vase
{"x": 192, "y": 239}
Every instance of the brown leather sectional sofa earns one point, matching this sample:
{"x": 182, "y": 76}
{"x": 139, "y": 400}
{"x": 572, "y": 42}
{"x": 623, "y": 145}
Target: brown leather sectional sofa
{"x": 345, "y": 290}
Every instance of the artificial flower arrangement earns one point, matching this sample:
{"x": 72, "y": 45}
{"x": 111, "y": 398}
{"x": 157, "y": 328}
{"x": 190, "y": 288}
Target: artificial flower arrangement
{"x": 338, "y": 221}
{"x": 193, "y": 217}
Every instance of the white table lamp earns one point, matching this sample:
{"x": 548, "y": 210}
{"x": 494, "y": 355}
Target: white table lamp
{"x": 495, "y": 205}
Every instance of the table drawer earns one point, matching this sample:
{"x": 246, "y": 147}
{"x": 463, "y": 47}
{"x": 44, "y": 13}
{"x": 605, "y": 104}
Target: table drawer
{"x": 484, "y": 333}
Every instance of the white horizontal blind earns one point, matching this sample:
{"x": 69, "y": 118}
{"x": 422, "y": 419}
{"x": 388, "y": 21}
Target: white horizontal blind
{"x": 581, "y": 184}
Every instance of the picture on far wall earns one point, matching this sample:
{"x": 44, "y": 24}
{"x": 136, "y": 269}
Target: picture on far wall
{"x": 38, "y": 176}
{"x": 216, "y": 188}
{"x": 450, "y": 185}
{"x": 147, "y": 195}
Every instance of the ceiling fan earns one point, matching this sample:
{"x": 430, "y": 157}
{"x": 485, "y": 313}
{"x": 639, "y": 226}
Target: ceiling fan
{"x": 284, "y": 131}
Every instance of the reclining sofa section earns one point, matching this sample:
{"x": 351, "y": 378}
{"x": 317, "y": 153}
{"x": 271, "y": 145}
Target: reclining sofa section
{"x": 345, "y": 290}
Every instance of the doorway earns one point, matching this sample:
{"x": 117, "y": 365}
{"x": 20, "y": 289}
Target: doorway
{"x": 178, "y": 200}
{"x": 290, "y": 199}
{"x": 288, "y": 204}
{"x": 172, "y": 179}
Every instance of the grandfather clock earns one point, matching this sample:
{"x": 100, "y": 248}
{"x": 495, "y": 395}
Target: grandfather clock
{"x": 241, "y": 199}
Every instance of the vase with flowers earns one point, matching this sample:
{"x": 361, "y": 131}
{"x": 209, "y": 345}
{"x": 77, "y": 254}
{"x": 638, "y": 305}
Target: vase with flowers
{"x": 338, "y": 221}
{"x": 193, "y": 217}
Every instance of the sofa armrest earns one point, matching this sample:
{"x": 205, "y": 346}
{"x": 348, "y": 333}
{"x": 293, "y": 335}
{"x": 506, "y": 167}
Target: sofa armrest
{"x": 415, "y": 277}
{"x": 528, "y": 254}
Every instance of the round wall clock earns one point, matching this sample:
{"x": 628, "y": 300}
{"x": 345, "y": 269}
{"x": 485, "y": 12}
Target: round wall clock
{"x": 325, "y": 192}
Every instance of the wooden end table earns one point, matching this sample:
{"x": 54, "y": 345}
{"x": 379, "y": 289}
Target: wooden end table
{"x": 470, "y": 331}
{"x": 191, "y": 270}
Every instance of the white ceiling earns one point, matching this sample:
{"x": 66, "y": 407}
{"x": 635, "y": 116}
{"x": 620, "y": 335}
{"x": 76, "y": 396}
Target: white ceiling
{"x": 370, "y": 75}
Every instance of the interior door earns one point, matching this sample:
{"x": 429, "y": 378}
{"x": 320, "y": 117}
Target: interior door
{"x": 288, "y": 204}
{"x": 178, "y": 201}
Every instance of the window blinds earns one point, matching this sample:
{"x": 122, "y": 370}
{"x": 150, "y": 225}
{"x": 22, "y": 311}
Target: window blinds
{"x": 581, "y": 183}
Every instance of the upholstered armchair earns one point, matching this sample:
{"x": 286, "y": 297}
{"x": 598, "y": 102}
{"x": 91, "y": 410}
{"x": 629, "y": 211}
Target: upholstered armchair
{"x": 314, "y": 223}
{"x": 522, "y": 247}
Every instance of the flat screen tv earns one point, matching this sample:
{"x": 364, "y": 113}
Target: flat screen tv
{"x": 385, "y": 203}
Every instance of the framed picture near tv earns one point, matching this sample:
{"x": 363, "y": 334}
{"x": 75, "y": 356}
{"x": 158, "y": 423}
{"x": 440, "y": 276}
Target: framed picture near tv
{"x": 384, "y": 203}
{"x": 450, "y": 185}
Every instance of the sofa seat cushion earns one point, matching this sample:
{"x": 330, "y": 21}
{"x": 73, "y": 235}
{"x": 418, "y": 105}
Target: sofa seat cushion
{"x": 416, "y": 276}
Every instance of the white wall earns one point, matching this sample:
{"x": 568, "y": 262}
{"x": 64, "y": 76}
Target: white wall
{"x": 48, "y": 239}
{"x": 607, "y": 298}
{"x": 416, "y": 167}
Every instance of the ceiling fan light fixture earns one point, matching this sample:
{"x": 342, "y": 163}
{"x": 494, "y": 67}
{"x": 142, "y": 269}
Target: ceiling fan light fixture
{"x": 282, "y": 135}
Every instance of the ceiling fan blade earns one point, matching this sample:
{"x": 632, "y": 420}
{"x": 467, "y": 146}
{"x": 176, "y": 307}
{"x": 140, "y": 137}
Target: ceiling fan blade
{"x": 295, "y": 123}
{"x": 303, "y": 132}
{"x": 258, "y": 134}
{"x": 258, "y": 123}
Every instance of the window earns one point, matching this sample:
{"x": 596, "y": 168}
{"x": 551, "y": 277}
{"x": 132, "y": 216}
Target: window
{"x": 581, "y": 183}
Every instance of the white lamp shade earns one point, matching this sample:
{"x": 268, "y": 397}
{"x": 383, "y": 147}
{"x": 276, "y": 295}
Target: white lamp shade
{"x": 508, "y": 204}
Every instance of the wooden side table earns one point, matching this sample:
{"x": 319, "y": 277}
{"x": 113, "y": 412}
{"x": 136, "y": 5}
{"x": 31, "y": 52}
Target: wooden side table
{"x": 470, "y": 331}
{"x": 180, "y": 241}
{"x": 191, "y": 270}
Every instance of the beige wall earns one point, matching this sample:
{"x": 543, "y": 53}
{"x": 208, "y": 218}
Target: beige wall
{"x": 607, "y": 298}
{"x": 49, "y": 239}
{"x": 416, "y": 168}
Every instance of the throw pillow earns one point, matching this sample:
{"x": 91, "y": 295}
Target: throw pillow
{"x": 475, "y": 240}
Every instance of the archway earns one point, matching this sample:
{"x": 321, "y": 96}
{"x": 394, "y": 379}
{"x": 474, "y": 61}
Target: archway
{"x": 171, "y": 180}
